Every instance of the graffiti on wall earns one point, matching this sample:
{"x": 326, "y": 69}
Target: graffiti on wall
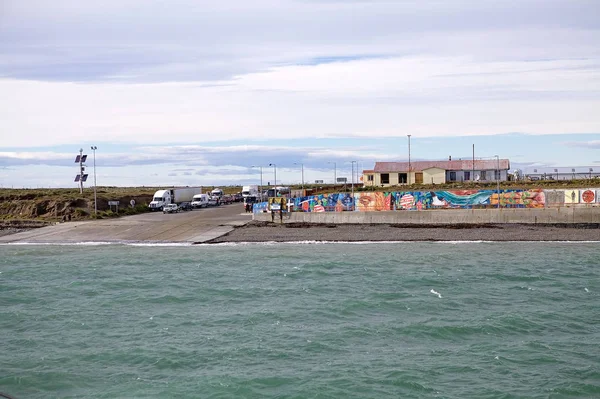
{"x": 337, "y": 202}
{"x": 419, "y": 200}
{"x": 571, "y": 196}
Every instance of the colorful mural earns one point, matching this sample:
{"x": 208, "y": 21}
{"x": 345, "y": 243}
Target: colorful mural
{"x": 588, "y": 196}
{"x": 419, "y": 200}
{"x": 377, "y": 201}
{"x": 337, "y": 202}
{"x": 571, "y": 196}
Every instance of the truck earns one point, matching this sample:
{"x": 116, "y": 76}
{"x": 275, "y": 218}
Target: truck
{"x": 200, "y": 201}
{"x": 250, "y": 191}
{"x": 173, "y": 196}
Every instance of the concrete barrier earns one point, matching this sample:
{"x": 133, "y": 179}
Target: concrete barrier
{"x": 562, "y": 215}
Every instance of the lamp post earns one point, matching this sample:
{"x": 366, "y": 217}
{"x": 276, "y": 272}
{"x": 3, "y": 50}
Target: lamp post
{"x": 261, "y": 182}
{"x": 591, "y": 170}
{"x": 498, "y": 178}
{"x": 334, "y": 173}
{"x": 274, "y": 177}
{"x": 408, "y": 177}
{"x": 353, "y": 162}
{"x": 94, "y": 148}
{"x": 302, "y": 168}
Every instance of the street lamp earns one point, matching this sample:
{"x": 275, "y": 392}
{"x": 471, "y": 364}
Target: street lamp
{"x": 334, "y": 173}
{"x": 302, "y": 168}
{"x": 498, "y": 178}
{"x": 591, "y": 170}
{"x": 353, "y": 162}
{"x": 94, "y": 148}
{"x": 261, "y": 181}
{"x": 408, "y": 178}
{"x": 274, "y": 177}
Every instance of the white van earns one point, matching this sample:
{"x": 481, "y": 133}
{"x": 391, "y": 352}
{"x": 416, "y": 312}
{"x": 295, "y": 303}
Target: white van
{"x": 200, "y": 201}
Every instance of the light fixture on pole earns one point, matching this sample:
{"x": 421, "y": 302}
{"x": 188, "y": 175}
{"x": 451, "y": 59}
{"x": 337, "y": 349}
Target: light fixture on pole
{"x": 409, "y": 166}
{"x": 261, "y": 181}
{"x": 334, "y": 173}
{"x": 94, "y": 148}
{"x": 302, "y": 168}
{"x": 556, "y": 171}
{"x": 274, "y": 177}
{"x": 82, "y": 176}
{"x": 498, "y": 178}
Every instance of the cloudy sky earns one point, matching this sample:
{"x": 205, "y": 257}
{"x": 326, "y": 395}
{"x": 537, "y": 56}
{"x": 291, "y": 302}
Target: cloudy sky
{"x": 186, "y": 92}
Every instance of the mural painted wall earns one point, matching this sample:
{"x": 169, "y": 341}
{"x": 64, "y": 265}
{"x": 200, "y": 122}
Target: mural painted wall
{"x": 337, "y": 202}
{"x": 419, "y": 200}
{"x": 571, "y": 196}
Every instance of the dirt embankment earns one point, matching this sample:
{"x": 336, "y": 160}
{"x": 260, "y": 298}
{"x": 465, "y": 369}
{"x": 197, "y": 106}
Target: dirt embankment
{"x": 32, "y": 208}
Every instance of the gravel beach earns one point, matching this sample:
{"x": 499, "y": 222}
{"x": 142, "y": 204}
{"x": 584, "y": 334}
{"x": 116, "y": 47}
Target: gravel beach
{"x": 266, "y": 231}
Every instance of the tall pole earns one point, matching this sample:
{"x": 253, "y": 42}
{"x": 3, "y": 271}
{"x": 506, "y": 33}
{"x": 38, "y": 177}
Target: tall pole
{"x": 409, "y": 165}
{"x": 473, "y": 177}
{"x": 81, "y": 171}
{"x": 94, "y": 148}
{"x": 274, "y": 177}
{"x": 353, "y": 162}
{"x": 302, "y": 169}
{"x": 334, "y": 173}
{"x": 498, "y": 179}
{"x": 261, "y": 182}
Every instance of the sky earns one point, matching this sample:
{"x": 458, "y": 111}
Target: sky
{"x": 186, "y": 92}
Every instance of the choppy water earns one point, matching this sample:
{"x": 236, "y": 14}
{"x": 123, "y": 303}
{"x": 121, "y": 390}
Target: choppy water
{"x": 392, "y": 320}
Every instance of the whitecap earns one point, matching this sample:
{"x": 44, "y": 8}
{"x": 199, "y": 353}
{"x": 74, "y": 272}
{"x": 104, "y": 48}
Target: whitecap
{"x": 436, "y": 293}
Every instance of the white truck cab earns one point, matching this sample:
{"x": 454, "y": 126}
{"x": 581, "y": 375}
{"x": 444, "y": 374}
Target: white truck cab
{"x": 160, "y": 199}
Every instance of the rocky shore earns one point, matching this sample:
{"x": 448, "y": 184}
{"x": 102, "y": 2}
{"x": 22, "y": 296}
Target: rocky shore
{"x": 266, "y": 231}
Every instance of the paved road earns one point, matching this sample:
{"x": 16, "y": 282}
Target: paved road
{"x": 186, "y": 227}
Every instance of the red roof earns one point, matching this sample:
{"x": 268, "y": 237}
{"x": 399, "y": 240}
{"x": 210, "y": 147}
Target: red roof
{"x": 386, "y": 167}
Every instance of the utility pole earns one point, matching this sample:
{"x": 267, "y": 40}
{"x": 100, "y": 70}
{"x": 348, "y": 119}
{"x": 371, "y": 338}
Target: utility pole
{"x": 409, "y": 166}
{"x": 498, "y": 179}
{"x": 94, "y": 148}
{"x": 334, "y": 173}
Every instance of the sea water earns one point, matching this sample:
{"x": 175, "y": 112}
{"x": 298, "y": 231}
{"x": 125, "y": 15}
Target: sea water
{"x": 305, "y": 320}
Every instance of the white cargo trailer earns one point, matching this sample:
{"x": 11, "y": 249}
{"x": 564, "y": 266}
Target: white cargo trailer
{"x": 173, "y": 196}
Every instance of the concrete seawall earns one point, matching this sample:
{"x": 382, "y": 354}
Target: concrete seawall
{"x": 563, "y": 215}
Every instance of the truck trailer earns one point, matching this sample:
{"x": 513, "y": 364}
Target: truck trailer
{"x": 173, "y": 196}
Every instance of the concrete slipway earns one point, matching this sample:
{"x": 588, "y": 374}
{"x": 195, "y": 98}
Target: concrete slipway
{"x": 185, "y": 227}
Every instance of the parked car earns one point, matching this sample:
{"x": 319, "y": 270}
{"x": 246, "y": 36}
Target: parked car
{"x": 227, "y": 199}
{"x": 171, "y": 208}
{"x": 185, "y": 206}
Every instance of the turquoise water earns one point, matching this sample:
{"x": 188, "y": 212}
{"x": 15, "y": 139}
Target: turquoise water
{"x": 371, "y": 320}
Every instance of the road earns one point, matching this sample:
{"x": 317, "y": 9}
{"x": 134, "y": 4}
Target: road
{"x": 195, "y": 226}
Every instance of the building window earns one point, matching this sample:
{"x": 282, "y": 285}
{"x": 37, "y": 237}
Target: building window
{"x": 452, "y": 176}
{"x": 402, "y": 178}
{"x": 369, "y": 177}
{"x": 496, "y": 175}
{"x": 467, "y": 176}
{"x": 385, "y": 178}
{"x": 482, "y": 175}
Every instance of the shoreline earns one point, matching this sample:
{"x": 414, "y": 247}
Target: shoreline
{"x": 260, "y": 231}
{"x": 256, "y": 231}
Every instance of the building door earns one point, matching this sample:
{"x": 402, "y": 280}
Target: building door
{"x": 419, "y": 177}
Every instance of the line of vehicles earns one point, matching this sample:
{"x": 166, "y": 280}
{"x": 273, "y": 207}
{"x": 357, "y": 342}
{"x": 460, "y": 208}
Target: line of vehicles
{"x": 176, "y": 200}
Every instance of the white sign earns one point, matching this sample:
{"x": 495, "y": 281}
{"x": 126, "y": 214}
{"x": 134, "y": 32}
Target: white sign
{"x": 110, "y": 203}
